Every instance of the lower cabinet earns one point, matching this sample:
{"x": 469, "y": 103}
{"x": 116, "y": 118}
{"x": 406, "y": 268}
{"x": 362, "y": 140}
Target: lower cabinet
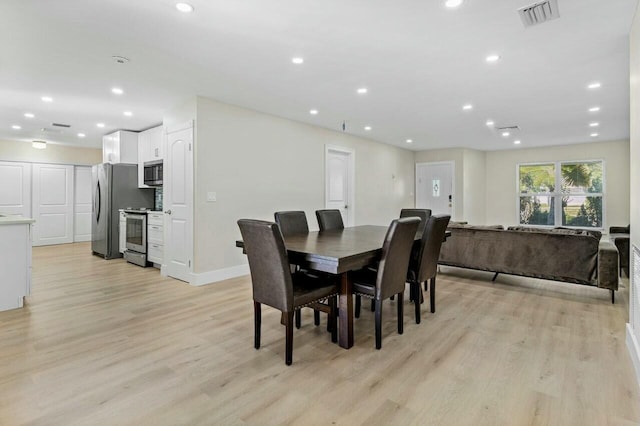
{"x": 123, "y": 232}
{"x": 155, "y": 237}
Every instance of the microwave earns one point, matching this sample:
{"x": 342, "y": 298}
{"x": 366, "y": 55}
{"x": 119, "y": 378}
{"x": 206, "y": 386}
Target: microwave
{"x": 153, "y": 173}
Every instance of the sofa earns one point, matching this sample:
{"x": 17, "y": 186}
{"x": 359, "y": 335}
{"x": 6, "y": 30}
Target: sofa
{"x": 619, "y": 235}
{"x": 567, "y": 255}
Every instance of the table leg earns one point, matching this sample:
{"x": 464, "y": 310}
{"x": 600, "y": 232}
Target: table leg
{"x": 346, "y": 312}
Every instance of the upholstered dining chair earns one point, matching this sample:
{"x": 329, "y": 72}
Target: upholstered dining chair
{"x": 423, "y": 265}
{"x": 423, "y": 214}
{"x": 389, "y": 279}
{"x": 274, "y": 284}
{"x": 329, "y": 220}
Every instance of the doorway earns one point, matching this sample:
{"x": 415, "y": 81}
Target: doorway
{"x": 435, "y": 187}
{"x": 339, "y": 182}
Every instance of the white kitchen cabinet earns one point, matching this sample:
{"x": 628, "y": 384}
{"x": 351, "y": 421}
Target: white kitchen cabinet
{"x": 122, "y": 243}
{"x": 15, "y": 261}
{"x": 155, "y": 237}
{"x": 120, "y": 147}
{"x": 150, "y": 148}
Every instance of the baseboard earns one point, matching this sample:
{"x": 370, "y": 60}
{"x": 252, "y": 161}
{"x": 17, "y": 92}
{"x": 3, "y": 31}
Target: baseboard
{"x": 634, "y": 351}
{"x": 211, "y": 277}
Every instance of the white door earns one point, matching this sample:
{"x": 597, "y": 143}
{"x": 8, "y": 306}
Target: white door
{"x": 434, "y": 187}
{"x": 82, "y": 204}
{"x": 52, "y": 204}
{"x": 15, "y": 188}
{"x": 178, "y": 203}
{"x": 339, "y": 172}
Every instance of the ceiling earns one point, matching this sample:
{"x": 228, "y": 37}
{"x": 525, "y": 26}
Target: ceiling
{"x": 420, "y": 61}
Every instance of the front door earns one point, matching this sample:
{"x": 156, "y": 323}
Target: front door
{"x": 434, "y": 187}
{"x": 339, "y": 182}
{"x": 178, "y": 203}
{"x": 52, "y": 204}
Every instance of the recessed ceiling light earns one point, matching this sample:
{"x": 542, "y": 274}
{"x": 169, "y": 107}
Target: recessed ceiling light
{"x": 101, "y": 125}
{"x": 594, "y": 124}
{"x": 467, "y": 107}
{"x": 409, "y": 141}
{"x": 297, "y": 60}
{"x": 594, "y": 85}
{"x": 453, "y": 3}
{"x": 313, "y": 112}
{"x": 16, "y": 127}
{"x": 120, "y": 59}
{"x": 367, "y": 128}
{"x": 594, "y": 109}
{"x": 81, "y": 135}
{"x": 128, "y": 113}
{"x": 505, "y": 134}
{"x": 47, "y": 99}
{"x": 184, "y": 7}
{"x": 117, "y": 91}
{"x": 493, "y": 58}
{"x": 489, "y": 123}
{"x": 362, "y": 90}
{"x": 39, "y": 144}
{"x": 594, "y": 135}
{"x": 28, "y": 115}
{"x": 516, "y": 142}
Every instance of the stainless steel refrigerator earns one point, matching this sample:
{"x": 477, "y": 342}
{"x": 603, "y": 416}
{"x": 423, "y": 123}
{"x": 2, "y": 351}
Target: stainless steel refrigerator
{"x": 115, "y": 186}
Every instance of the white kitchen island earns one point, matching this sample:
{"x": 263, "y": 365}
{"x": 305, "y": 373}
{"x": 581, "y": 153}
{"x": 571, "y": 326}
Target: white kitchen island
{"x": 15, "y": 260}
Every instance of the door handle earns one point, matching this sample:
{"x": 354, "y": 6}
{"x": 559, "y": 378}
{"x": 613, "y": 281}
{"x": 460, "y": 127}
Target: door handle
{"x": 168, "y": 211}
{"x": 346, "y": 207}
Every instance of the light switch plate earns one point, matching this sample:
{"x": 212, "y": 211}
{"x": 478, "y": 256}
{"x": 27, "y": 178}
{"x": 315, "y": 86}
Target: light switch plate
{"x": 211, "y": 197}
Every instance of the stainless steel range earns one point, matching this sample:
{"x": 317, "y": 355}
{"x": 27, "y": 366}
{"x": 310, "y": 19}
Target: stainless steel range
{"x": 136, "y": 235}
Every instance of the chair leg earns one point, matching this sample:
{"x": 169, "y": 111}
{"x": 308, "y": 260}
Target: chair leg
{"x": 432, "y": 294}
{"x": 613, "y": 297}
{"x": 378, "y": 308}
{"x": 333, "y": 302}
{"x": 401, "y": 312}
{"x": 298, "y": 318}
{"x": 358, "y": 302}
{"x": 417, "y": 292}
{"x": 288, "y": 351}
{"x": 373, "y": 305}
{"x": 392, "y": 297}
{"x": 316, "y": 317}
{"x": 257, "y": 322}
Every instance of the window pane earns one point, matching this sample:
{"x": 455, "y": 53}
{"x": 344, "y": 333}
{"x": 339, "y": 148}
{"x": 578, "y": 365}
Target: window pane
{"x": 537, "y": 210}
{"x": 537, "y": 178}
{"x": 582, "y": 211}
{"x": 579, "y": 178}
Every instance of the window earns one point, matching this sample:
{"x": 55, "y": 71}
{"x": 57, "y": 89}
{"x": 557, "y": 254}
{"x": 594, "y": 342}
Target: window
{"x": 561, "y": 194}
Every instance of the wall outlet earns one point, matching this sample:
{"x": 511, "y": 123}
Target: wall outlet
{"x": 211, "y": 197}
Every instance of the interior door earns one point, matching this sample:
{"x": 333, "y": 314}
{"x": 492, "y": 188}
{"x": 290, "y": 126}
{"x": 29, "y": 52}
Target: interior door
{"x": 434, "y": 187}
{"x": 178, "y": 203}
{"x": 52, "y": 200}
{"x": 339, "y": 183}
{"x": 82, "y": 204}
{"x": 15, "y": 188}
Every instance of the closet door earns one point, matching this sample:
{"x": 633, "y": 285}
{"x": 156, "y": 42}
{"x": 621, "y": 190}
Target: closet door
{"x": 15, "y": 188}
{"x": 82, "y": 204}
{"x": 52, "y": 200}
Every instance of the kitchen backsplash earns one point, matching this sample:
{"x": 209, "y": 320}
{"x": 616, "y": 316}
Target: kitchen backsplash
{"x": 158, "y": 202}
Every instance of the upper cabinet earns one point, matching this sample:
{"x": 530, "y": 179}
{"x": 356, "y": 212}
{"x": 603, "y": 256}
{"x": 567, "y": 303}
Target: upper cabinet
{"x": 120, "y": 147}
{"x": 150, "y": 148}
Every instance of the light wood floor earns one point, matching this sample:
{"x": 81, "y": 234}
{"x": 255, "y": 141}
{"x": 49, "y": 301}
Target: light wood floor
{"x": 105, "y": 342}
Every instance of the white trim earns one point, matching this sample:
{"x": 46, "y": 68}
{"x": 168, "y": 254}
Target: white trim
{"x": 210, "y": 277}
{"x": 634, "y": 351}
{"x": 453, "y": 183}
{"x": 351, "y": 216}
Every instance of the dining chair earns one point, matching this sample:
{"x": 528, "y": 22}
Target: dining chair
{"x": 389, "y": 279}
{"x": 274, "y": 285}
{"x": 423, "y": 214}
{"x": 329, "y": 220}
{"x": 423, "y": 265}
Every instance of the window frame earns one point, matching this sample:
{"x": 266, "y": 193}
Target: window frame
{"x": 557, "y": 214}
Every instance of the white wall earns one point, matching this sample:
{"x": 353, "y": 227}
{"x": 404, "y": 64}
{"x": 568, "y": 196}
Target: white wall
{"x": 53, "y": 154}
{"x": 258, "y": 164}
{"x": 475, "y": 194}
{"x": 501, "y": 178}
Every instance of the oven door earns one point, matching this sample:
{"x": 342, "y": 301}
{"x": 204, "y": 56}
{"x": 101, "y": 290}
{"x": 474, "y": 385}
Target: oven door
{"x": 136, "y": 232}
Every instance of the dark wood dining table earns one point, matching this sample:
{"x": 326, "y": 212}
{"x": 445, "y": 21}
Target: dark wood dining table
{"x": 338, "y": 252}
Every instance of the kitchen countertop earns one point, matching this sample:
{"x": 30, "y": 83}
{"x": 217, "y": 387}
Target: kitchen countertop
{"x": 14, "y": 219}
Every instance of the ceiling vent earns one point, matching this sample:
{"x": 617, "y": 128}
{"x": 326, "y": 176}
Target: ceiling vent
{"x": 508, "y": 129}
{"x": 66, "y": 126}
{"x": 50, "y": 130}
{"x": 539, "y": 12}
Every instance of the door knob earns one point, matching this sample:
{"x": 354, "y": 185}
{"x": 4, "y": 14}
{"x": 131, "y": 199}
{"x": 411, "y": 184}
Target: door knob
{"x": 168, "y": 212}
{"x": 346, "y": 207}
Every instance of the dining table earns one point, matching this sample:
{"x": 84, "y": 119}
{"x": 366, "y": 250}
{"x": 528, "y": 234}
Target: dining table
{"x": 339, "y": 252}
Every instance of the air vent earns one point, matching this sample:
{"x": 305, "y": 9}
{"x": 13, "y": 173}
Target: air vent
{"x": 66, "y": 126}
{"x": 539, "y": 12}
{"x": 508, "y": 129}
{"x": 50, "y": 130}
